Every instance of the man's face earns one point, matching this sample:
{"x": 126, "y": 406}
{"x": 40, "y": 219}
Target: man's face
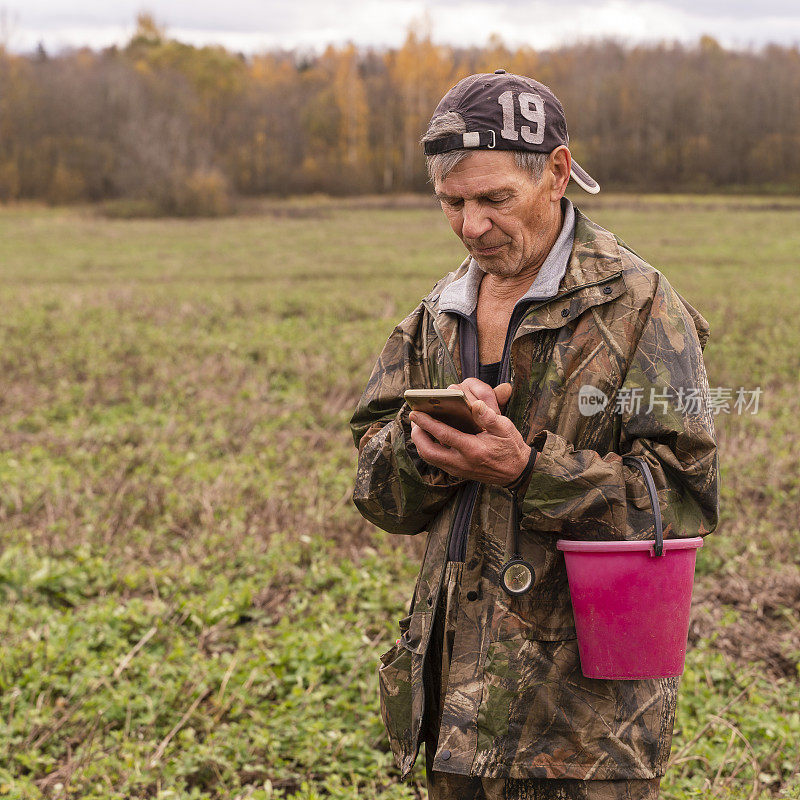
{"x": 505, "y": 219}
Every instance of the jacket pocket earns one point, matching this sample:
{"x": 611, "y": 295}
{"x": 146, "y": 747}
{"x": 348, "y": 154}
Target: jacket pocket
{"x": 544, "y": 613}
{"x": 540, "y": 717}
{"x": 513, "y": 622}
{"x": 400, "y": 687}
{"x": 538, "y": 615}
{"x": 394, "y": 686}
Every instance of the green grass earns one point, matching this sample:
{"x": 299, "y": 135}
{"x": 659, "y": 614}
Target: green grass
{"x": 190, "y": 605}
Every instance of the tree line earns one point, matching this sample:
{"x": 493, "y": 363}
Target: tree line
{"x": 183, "y": 126}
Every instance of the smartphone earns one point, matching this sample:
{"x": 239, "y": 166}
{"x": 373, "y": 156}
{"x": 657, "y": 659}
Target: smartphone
{"x": 446, "y": 405}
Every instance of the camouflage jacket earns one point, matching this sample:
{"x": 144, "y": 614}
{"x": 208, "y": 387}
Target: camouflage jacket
{"x": 517, "y": 704}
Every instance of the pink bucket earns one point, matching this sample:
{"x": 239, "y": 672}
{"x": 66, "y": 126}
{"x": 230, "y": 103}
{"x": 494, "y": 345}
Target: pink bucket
{"x": 631, "y": 600}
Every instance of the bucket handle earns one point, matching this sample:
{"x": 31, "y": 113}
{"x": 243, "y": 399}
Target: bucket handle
{"x": 641, "y": 464}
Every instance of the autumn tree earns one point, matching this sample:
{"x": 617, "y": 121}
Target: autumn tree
{"x": 182, "y": 127}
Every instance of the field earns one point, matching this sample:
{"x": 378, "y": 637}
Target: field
{"x": 191, "y": 607}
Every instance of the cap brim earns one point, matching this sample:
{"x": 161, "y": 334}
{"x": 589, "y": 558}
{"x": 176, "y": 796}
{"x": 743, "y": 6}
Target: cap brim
{"x": 583, "y": 178}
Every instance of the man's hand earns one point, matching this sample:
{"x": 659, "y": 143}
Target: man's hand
{"x": 476, "y": 389}
{"x": 496, "y": 456}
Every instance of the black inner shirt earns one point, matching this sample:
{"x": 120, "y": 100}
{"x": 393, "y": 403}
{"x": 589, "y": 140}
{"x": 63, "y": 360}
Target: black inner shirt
{"x": 489, "y": 373}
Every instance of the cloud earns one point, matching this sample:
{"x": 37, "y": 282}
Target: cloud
{"x": 269, "y": 16}
{"x": 707, "y": 8}
{"x": 251, "y": 27}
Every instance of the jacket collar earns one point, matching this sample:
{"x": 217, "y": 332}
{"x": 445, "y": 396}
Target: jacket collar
{"x": 595, "y": 255}
{"x": 594, "y": 276}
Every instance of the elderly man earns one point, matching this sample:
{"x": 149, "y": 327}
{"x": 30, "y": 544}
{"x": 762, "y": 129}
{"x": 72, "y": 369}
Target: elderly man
{"x": 572, "y": 352}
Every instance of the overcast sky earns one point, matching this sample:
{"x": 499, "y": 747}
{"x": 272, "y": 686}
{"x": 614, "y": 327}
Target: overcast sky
{"x": 255, "y": 26}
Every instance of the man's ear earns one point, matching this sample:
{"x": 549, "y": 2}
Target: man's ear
{"x": 559, "y": 163}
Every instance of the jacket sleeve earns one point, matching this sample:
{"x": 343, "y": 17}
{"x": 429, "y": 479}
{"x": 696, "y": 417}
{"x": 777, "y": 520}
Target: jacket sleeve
{"x": 664, "y": 417}
{"x": 396, "y": 489}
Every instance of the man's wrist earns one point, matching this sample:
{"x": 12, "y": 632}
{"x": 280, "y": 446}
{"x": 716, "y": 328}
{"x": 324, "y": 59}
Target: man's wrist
{"x": 521, "y": 481}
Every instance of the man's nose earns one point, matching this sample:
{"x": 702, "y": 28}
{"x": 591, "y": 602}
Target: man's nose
{"x": 476, "y": 221}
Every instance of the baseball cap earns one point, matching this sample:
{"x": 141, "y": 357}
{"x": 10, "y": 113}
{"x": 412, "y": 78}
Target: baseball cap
{"x": 503, "y": 111}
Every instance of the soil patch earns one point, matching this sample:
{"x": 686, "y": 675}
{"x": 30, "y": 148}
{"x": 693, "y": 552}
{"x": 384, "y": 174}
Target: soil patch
{"x": 766, "y": 627}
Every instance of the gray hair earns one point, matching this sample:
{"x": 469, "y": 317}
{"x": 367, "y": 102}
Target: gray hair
{"x": 442, "y": 164}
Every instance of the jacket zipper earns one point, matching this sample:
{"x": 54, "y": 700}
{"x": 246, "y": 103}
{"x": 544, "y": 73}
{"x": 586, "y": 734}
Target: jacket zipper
{"x": 471, "y": 494}
{"x": 448, "y": 354}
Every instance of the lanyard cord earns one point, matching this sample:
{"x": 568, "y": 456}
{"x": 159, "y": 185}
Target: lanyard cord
{"x": 516, "y": 513}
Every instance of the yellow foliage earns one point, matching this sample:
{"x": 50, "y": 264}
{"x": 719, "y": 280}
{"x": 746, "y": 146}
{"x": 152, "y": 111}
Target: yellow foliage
{"x": 351, "y": 101}
{"x": 201, "y": 193}
{"x": 494, "y": 56}
{"x": 421, "y": 72}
